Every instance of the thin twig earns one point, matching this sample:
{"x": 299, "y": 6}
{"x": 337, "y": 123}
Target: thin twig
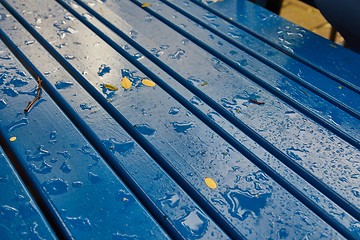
{"x": 37, "y": 97}
{"x": 256, "y": 102}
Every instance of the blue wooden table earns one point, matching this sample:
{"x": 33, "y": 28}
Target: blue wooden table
{"x": 122, "y": 119}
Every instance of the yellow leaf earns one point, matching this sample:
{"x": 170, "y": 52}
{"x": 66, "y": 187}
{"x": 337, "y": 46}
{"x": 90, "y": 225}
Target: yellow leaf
{"x": 148, "y": 83}
{"x": 340, "y": 87}
{"x": 12, "y": 139}
{"x": 204, "y": 83}
{"x": 110, "y": 87}
{"x": 210, "y": 183}
{"x": 145, "y": 4}
{"x": 125, "y": 83}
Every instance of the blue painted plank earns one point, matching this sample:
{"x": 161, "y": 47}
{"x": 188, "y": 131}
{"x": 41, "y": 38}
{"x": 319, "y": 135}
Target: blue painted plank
{"x": 20, "y": 217}
{"x": 77, "y": 188}
{"x": 225, "y": 38}
{"x": 330, "y": 59}
{"x": 173, "y": 206}
{"x": 230, "y": 98}
{"x": 323, "y": 112}
{"x": 150, "y": 112}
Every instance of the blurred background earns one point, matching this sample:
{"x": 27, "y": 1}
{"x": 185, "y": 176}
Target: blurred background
{"x": 303, "y": 13}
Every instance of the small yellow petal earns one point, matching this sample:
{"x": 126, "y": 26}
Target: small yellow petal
{"x": 204, "y": 83}
{"x": 210, "y": 183}
{"x": 340, "y": 87}
{"x": 125, "y": 83}
{"x": 12, "y": 139}
{"x": 110, "y": 87}
{"x": 148, "y": 83}
{"x": 145, "y": 4}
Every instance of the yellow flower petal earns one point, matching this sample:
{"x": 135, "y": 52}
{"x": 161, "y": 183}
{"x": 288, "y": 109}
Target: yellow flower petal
{"x": 340, "y": 87}
{"x": 210, "y": 183}
{"x": 110, "y": 87}
{"x": 148, "y": 83}
{"x": 12, "y": 139}
{"x": 125, "y": 83}
{"x": 204, "y": 83}
{"x": 145, "y": 4}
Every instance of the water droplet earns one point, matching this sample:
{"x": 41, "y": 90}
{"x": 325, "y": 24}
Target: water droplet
{"x": 38, "y": 155}
{"x": 65, "y": 167}
{"x": 170, "y": 199}
{"x": 2, "y": 104}
{"x": 148, "y": 18}
{"x": 63, "y": 84}
{"x": 182, "y": 127}
{"x": 29, "y": 42}
{"x": 210, "y": 16}
{"x": 10, "y": 91}
{"x": 195, "y": 223}
{"x": 65, "y": 154}
{"x": 18, "y": 82}
{"x": 356, "y": 192}
{"x": 55, "y": 186}
{"x": 69, "y": 17}
{"x": 69, "y": 56}
{"x": 138, "y": 56}
{"x": 71, "y": 30}
{"x": 103, "y": 69}
{"x": 145, "y": 129}
{"x": 5, "y": 56}
{"x": 7, "y": 211}
{"x": 79, "y": 223}
{"x": 77, "y": 184}
{"x": 355, "y": 176}
{"x": 174, "y": 110}
{"x": 87, "y": 16}
{"x": 85, "y": 106}
{"x": 18, "y": 123}
{"x": 185, "y": 41}
{"x": 43, "y": 169}
{"x": 296, "y": 153}
{"x": 133, "y": 34}
{"x": 61, "y": 45}
{"x": 164, "y": 46}
{"x": 21, "y": 73}
{"x": 178, "y": 54}
{"x": 94, "y": 178}
{"x": 234, "y": 34}
{"x": 291, "y": 114}
{"x": 196, "y": 101}
{"x": 232, "y": 52}
{"x": 218, "y": 65}
{"x": 243, "y": 62}
{"x": 282, "y": 233}
{"x": 120, "y": 147}
{"x": 53, "y": 135}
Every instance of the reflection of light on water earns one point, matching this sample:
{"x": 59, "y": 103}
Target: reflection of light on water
{"x": 170, "y": 199}
{"x": 250, "y": 198}
{"x": 243, "y": 204}
{"x": 195, "y": 223}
